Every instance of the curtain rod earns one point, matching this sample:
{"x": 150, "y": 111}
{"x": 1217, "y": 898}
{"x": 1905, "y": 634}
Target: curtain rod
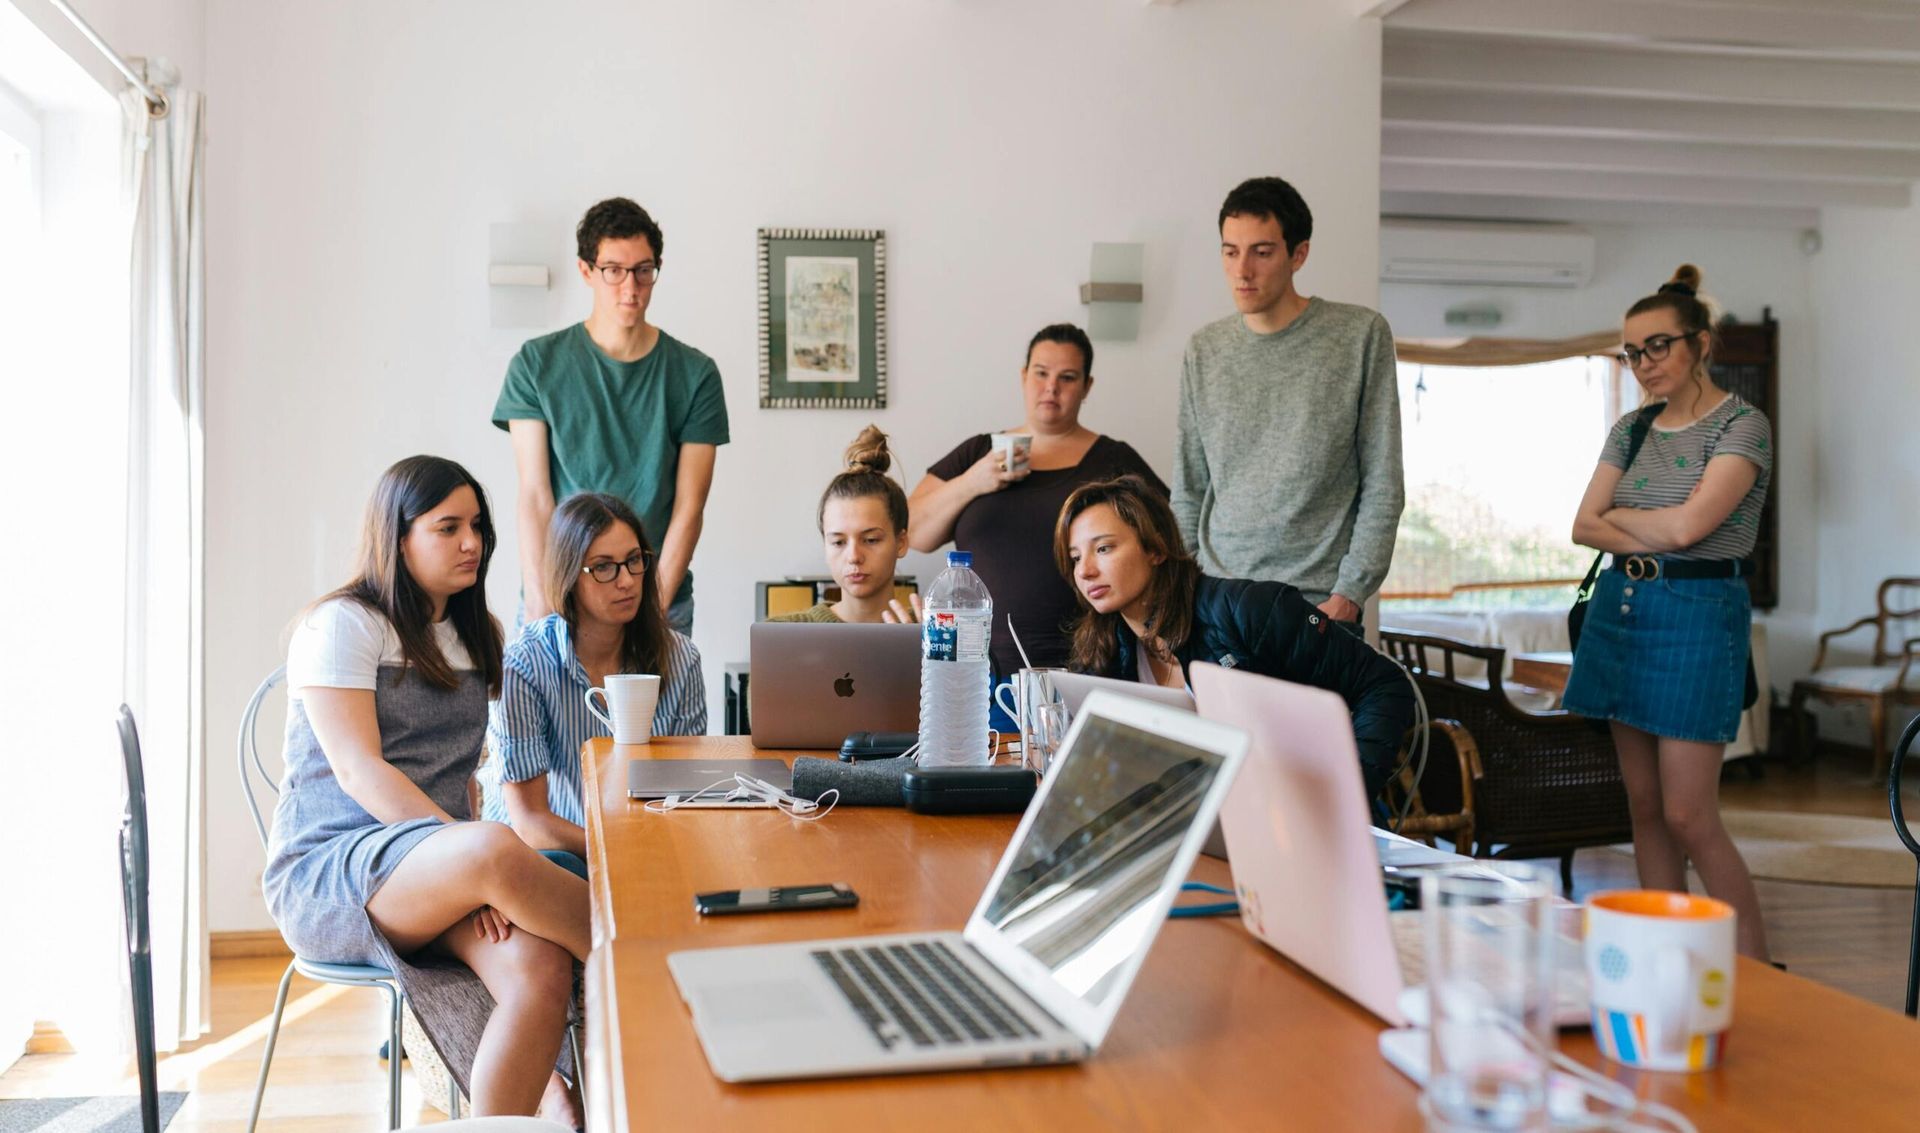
{"x": 157, "y": 106}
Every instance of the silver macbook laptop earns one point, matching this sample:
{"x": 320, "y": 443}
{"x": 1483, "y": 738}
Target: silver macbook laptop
{"x": 1306, "y": 865}
{"x": 810, "y": 684}
{"x": 1046, "y": 958}
{"x": 1075, "y": 687}
{"x": 662, "y": 778}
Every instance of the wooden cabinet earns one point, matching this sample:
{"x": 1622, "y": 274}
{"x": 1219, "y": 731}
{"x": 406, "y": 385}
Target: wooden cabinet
{"x": 1747, "y": 362}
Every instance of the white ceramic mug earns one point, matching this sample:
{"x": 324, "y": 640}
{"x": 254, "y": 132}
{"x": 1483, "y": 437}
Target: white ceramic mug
{"x": 630, "y": 699}
{"x": 1661, "y": 968}
{"x": 1015, "y": 449}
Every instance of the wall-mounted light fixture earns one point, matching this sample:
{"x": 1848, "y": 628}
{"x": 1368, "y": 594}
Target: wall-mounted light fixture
{"x": 519, "y": 274}
{"x": 1114, "y": 295}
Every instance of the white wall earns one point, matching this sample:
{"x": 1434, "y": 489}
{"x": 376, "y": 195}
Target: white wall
{"x": 1866, "y": 292}
{"x": 359, "y": 152}
{"x": 1746, "y": 270}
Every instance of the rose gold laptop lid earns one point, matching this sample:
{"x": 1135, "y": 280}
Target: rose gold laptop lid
{"x": 1299, "y": 837}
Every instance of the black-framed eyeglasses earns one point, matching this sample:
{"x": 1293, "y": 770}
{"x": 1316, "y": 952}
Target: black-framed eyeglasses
{"x": 616, "y": 274}
{"x": 635, "y": 564}
{"x": 1654, "y": 349}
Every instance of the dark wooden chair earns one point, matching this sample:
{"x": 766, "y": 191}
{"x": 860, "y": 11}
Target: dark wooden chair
{"x": 1501, "y": 781}
{"x": 1877, "y": 687}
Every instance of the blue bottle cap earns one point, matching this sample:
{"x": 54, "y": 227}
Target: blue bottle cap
{"x": 960, "y": 559}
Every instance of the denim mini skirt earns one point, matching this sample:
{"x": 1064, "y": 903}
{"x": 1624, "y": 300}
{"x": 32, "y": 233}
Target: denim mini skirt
{"x": 1666, "y": 656}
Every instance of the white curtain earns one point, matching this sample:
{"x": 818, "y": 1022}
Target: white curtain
{"x": 165, "y": 599}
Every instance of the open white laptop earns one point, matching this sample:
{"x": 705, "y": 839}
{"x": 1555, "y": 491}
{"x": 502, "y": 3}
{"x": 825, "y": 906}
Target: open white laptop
{"x": 1046, "y": 958}
{"x": 812, "y": 684}
{"x": 1074, "y": 689}
{"x": 1306, "y": 866}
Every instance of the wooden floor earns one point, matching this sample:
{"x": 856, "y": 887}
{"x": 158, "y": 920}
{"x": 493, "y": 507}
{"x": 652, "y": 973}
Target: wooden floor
{"x": 326, "y": 1075}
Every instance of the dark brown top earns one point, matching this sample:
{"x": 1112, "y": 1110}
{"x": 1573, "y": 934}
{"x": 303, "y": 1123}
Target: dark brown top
{"x": 1010, "y": 535}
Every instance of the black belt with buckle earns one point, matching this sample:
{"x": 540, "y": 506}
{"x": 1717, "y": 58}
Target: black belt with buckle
{"x": 1646, "y": 568}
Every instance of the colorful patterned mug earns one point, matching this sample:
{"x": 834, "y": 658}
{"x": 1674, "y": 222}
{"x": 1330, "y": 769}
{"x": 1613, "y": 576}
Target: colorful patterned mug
{"x": 1661, "y": 968}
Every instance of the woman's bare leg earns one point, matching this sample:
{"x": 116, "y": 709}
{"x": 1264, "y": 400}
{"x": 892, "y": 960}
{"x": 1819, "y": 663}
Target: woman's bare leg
{"x": 461, "y": 867}
{"x": 1656, "y": 854}
{"x": 531, "y": 981}
{"x": 1690, "y": 788}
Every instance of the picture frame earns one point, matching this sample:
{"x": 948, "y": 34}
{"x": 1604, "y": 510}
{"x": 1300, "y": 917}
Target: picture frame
{"x": 823, "y": 318}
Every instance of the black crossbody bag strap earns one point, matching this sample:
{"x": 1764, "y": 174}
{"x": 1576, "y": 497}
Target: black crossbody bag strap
{"x": 1636, "y": 436}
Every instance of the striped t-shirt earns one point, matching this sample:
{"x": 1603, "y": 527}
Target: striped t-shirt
{"x": 1671, "y": 462}
{"x": 541, "y": 719}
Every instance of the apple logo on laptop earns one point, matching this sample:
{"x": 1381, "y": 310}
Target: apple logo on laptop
{"x": 843, "y": 686}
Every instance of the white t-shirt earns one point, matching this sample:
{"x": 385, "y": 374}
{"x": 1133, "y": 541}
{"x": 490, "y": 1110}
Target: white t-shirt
{"x": 342, "y": 644}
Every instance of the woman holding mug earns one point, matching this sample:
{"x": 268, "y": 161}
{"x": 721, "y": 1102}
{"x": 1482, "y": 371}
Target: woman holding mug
{"x": 1147, "y": 613}
{"x": 1002, "y": 509}
{"x": 863, "y": 524}
{"x": 600, "y": 579}
{"x": 372, "y": 859}
{"x": 1663, "y": 649}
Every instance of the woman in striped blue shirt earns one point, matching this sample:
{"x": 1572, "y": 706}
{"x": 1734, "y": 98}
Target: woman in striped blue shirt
{"x": 600, "y": 579}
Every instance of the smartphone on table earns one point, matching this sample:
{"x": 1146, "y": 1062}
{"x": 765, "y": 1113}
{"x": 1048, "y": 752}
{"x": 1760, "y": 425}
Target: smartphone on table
{"x": 779, "y": 899}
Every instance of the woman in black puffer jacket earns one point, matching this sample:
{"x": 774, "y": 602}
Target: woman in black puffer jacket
{"x": 1117, "y": 542}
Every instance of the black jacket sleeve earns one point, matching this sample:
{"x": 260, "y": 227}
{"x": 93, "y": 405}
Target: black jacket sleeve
{"x": 1286, "y": 636}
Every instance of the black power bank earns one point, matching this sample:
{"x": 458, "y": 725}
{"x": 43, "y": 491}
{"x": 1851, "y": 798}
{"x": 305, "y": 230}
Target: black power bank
{"x": 877, "y": 745}
{"x": 969, "y": 790}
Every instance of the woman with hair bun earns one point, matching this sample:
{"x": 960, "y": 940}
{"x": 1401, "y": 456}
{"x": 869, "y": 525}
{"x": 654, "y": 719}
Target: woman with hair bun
{"x": 1663, "y": 650}
{"x": 863, "y": 523}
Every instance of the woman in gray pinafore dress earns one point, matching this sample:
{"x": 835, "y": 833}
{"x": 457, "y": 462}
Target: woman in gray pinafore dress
{"x": 392, "y": 673}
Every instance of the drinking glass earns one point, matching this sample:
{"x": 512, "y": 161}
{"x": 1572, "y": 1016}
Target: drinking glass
{"x": 1046, "y": 730}
{"x": 1489, "y": 942}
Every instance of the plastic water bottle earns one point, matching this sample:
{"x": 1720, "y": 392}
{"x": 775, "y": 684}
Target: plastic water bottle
{"x": 953, "y": 667}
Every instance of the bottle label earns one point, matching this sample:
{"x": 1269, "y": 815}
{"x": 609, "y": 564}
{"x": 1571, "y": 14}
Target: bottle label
{"x": 939, "y": 637}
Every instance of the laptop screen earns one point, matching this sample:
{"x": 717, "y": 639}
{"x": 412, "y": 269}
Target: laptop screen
{"x": 1078, "y": 891}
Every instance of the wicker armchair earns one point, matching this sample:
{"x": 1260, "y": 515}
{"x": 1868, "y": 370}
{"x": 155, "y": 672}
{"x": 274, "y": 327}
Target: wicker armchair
{"x": 1501, "y": 782}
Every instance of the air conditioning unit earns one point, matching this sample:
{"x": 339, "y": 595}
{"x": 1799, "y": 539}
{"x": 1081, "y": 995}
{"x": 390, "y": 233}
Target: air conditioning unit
{"x": 1509, "y": 255}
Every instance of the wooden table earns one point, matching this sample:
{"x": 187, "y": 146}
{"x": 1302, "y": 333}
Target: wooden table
{"x": 1219, "y": 1031}
{"x": 1547, "y": 671}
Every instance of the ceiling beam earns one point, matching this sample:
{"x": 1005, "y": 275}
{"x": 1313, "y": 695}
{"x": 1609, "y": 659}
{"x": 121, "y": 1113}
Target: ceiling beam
{"x": 1460, "y": 206}
{"x": 1873, "y": 31}
{"x": 1640, "y": 118}
{"x": 1520, "y": 67}
{"x": 1431, "y": 178}
{"x": 1461, "y": 147}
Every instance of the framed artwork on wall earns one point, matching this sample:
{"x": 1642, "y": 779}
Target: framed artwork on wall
{"x": 823, "y": 318}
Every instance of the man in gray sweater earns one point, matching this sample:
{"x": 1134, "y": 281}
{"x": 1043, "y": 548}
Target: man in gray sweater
{"x": 1289, "y": 444}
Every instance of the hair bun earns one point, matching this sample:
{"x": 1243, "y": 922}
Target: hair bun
{"x": 1685, "y": 281}
{"x": 868, "y": 452}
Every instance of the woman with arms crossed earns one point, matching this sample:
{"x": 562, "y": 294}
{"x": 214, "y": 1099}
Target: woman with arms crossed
{"x": 1663, "y": 649}
{"x": 372, "y": 859}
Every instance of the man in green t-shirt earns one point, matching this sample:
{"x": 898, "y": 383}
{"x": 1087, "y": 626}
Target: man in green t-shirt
{"x": 615, "y": 404}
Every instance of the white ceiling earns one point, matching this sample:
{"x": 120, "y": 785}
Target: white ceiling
{"x": 1749, "y": 112}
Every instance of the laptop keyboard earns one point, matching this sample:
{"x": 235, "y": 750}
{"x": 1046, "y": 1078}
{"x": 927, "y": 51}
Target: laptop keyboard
{"x": 922, "y": 993}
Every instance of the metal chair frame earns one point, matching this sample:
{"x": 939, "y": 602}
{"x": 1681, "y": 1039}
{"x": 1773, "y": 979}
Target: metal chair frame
{"x": 1900, "y": 753}
{"x": 344, "y": 975}
{"x": 133, "y": 891}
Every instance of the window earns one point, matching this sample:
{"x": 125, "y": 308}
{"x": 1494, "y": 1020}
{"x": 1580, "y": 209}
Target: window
{"x": 1497, "y": 459}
